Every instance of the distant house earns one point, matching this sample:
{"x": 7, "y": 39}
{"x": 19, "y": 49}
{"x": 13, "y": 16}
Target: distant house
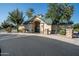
{"x": 39, "y": 24}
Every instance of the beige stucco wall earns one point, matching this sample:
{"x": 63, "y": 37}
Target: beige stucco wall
{"x": 47, "y": 28}
{"x": 69, "y": 32}
{"x": 43, "y": 26}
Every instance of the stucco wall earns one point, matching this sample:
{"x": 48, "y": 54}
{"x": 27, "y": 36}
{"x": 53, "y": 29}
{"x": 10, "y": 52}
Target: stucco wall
{"x": 69, "y": 32}
{"x": 43, "y": 26}
{"x": 47, "y": 28}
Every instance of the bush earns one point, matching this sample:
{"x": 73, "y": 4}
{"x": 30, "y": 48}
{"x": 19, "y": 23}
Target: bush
{"x": 77, "y": 30}
{"x": 62, "y": 31}
{"x": 6, "y": 26}
{"x": 8, "y": 29}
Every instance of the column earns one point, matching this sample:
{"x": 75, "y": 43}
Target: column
{"x": 69, "y": 32}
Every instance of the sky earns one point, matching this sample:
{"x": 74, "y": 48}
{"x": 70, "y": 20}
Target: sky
{"x": 40, "y": 8}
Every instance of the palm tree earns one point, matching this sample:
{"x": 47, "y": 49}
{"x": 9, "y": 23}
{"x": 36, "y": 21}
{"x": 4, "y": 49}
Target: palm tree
{"x": 16, "y": 17}
{"x": 5, "y": 25}
{"x": 30, "y": 12}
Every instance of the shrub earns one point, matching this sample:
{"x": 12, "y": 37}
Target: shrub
{"x": 77, "y": 30}
{"x": 6, "y": 26}
{"x": 8, "y": 29}
{"x": 62, "y": 31}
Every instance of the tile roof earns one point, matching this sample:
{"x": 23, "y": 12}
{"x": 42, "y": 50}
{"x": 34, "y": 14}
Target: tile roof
{"x": 47, "y": 21}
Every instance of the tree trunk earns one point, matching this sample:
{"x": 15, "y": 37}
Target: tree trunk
{"x": 17, "y": 28}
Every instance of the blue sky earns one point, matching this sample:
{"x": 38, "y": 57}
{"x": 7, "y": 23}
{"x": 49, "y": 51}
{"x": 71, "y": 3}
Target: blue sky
{"x": 40, "y": 8}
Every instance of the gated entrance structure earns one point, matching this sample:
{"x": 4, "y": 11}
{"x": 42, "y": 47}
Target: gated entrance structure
{"x": 39, "y": 24}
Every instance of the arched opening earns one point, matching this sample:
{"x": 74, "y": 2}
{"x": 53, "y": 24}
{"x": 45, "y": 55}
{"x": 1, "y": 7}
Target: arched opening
{"x": 37, "y": 26}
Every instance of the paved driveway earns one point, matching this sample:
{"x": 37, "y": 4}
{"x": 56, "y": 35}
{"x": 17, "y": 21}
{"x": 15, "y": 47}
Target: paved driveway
{"x": 20, "y": 45}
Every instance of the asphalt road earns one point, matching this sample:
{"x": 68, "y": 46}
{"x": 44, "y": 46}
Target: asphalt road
{"x": 14, "y": 45}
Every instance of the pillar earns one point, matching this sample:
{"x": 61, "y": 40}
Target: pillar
{"x": 69, "y": 31}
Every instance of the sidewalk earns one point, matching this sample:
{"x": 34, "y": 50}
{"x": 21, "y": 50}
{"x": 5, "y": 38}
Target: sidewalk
{"x": 63, "y": 38}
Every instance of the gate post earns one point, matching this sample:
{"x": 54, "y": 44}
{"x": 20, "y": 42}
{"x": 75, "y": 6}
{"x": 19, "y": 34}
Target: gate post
{"x": 69, "y": 31}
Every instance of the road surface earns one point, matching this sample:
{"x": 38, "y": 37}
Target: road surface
{"x": 20, "y": 45}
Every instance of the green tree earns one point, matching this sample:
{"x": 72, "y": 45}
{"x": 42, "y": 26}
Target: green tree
{"x": 58, "y": 12}
{"x": 30, "y": 12}
{"x": 7, "y": 26}
{"x": 76, "y": 27}
{"x": 67, "y": 12}
{"x": 16, "y": 17}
